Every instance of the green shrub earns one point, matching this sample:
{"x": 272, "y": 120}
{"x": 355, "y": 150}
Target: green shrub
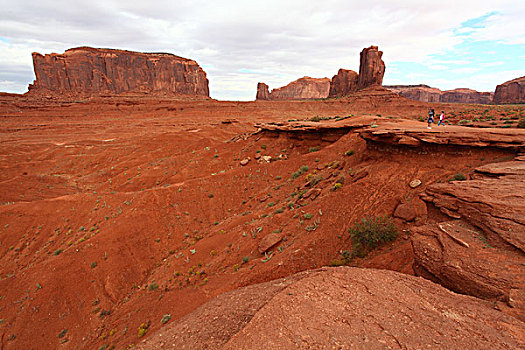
{"x": 521, "y": 123}
{"x": 165, "y": 319}
{"x": 313, "y": 149}
{"x": 349, "y": 152}
{"x": 153, "y": 286}
{"x": 458, "y": 177}
{"x": 369, "y": 234}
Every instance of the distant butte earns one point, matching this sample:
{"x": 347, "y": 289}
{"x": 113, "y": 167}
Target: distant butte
{"x": 91, "y": 71}
{"x": 345, "y": 82}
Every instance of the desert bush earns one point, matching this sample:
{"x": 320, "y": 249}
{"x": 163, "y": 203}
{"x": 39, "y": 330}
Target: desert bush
{"x": 371, "y": 233}
{"x": 349, "y": 152}
{"x": 458, "y": 177}
{"x": 313, "y": 149}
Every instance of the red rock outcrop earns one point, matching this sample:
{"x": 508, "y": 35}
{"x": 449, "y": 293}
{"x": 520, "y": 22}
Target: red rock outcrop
{"x": 262, "y": 92}
{"x": 512, "y": 91}
{"x": 421, "y": 92}
{"x": 303, "y": 88}
{"x": 343, "y": 83}
{"x": 481, "y": 253}
{"x": 86, "y": 70}
{"x": 426, "y": 93}
{"x": 466, "y": 96}
{"x": 342, "y": 308}
{"x": 300, "y": 89}
{"x": 371, "y": 68}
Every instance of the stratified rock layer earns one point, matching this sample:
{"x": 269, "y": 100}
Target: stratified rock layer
{"x": 344, "y": 308}
{"x": 343, "y": 83}
{"x": 86, "y": 70}
{"x": 303, "y": 88}
{"x": 512, "y": 91}
{"x": 371, "y": 68}
{"x": 426, "y": 93}
{"x": 262, "y": 92}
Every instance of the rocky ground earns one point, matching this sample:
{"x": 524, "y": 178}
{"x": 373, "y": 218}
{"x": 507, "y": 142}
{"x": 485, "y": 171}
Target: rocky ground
{"x": 122, "y": 218}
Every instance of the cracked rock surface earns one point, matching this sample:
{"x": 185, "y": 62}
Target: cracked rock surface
{"x": 344, "y": 308}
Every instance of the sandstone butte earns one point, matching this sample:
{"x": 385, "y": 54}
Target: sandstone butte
{"x": 426, "y": 93}
{"x": 300, "y": 89}
{"x": 512, "y": 91}
{"x": 86, "y": 70}
{"x": 371, "y": 72}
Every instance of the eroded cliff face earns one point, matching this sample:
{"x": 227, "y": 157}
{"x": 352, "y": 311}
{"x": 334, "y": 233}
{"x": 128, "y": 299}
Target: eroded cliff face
{"x": 512, "y": 91}
{"x": 86, "y": 70}
{"x": 263, "y": 92}
{"x": 371, "y": 68}
{"x": 343, "y": 83}
{"x": 300, "y": 89}
{"x": 426, "y": 93}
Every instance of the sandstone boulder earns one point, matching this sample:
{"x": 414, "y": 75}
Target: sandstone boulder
{"x": 343, "y": 83}
{"x": 86, "y": 70}
{"x": 512, "y": 91}
{"x": 371, "y": 68}
{"x": 343, "y": 308}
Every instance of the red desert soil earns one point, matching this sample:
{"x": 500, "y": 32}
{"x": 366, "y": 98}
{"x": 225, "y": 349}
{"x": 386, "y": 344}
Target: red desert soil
{"x": 116, "y": 211}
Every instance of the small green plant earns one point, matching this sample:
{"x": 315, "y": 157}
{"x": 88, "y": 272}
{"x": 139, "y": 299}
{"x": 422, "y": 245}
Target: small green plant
{"x": 153, "y": 286}
{"x": 313, "y": 149}
{"x": 143, "y": 329}
{"x": 369, "y": 234}
{"x": 307, "y": 216}
{"x": 93, "y": 264}
{"x": 458, "y": 177}
{"x": 349, "y": 152}
{"x": 245, "y": 259}
{"x": 521, "y": 123}
{"x": 337, "y": 186}
{"x": 58, "y": 251}
{"x": 165, "y": 319}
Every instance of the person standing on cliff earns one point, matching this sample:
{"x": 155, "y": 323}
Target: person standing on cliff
{"x": 442, "y": 118}
{"x": 430, "y": 117}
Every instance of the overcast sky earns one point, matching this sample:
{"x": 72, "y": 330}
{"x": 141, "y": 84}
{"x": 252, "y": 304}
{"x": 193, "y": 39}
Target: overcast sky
{"x": 445, "y": 44}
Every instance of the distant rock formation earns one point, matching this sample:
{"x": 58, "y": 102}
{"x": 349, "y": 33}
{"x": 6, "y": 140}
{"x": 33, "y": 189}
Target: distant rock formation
{"x": 466, "y": 96}
{"x": 512, "y": 91}
{"x": 371, "y": 72}
{"x": 420, "y": 92}
{"x": 426, "y": 93}
{"x": 343, "y": 83}
{"x": 300, "y": 89}
{"x": 263, "y": 92}
{"x": 371, "y": 68}
{"x": 86, "y": 70}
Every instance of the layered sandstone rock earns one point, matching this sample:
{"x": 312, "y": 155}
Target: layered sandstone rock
{"x": 482, "y": 251}
{"x": 466, "y": 96}
{"x": 86, "y": 70}
{"x": 343, "y": 83}
{"x": 371, "y": 68}
{"x": 263, "y": 92}
{"x": 420, "y": 92}
{"x": 300, "y": 89}
{"x": 426, "y": 93}
{"x": 344, "y": 308}
{"x": 512, "y": 91}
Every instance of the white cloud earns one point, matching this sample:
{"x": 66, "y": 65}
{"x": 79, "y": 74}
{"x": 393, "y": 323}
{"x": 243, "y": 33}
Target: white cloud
{"x": 234, "y": 39}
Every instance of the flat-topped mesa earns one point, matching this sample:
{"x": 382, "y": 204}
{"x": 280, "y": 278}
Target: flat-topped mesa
{"x": 426, "y": 93}
{"x": 466, "y": 96}
{"x": 86, "y": 70}
{"x": 512, "y": 91}
{"x": 420, "y": 92}
{"x": 371, "y": 68}
{"x": 301, "y": 89}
